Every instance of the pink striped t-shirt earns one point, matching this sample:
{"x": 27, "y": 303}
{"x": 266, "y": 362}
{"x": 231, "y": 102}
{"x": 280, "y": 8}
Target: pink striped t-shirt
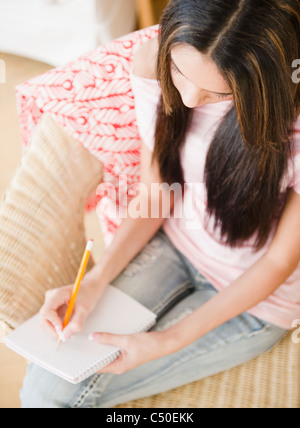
{"x": 188, "y": 228}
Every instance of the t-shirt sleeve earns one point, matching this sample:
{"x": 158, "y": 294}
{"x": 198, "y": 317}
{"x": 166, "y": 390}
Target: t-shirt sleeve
{"x": 147, "y": 93}
{"x": 295, "y": 165}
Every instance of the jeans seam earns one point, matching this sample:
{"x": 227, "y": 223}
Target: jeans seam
{"x": 171, "y": 296}
{"x": 81, "y": 397}
{"x": 95, "y": 380}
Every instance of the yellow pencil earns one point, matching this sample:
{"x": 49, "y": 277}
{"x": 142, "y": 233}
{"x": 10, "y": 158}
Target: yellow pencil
{"x": 81, "y": 272}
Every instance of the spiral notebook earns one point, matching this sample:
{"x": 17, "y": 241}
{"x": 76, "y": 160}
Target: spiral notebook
{"x": 79, "y": 358}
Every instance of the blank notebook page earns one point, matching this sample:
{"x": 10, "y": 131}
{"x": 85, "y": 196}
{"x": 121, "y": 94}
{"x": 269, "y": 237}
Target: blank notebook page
{"x": 79, "y": 358}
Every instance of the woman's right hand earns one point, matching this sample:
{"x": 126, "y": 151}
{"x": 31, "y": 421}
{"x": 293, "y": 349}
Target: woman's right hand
{"x": 55, "y": 306}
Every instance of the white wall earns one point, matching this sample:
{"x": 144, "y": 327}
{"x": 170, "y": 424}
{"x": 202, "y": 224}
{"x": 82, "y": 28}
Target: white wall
{"x": 58, "y": 31}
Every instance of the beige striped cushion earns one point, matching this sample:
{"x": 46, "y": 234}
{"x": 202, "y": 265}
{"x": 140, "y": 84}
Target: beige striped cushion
{"x": 42, "y": 221}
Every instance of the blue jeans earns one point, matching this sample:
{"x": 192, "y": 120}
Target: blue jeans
{"x": 163, "y": 280}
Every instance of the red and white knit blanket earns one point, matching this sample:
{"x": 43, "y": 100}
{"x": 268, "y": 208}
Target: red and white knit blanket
{"x": 91, "y": 98}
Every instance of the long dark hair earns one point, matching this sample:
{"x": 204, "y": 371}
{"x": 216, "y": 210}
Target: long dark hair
{"x": 253, "y": 43}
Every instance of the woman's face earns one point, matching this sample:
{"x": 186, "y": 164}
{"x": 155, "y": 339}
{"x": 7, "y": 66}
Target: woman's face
{"x": 197, "y": 77}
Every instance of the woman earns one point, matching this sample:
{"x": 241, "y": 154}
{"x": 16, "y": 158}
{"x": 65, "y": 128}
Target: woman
{"x": 225, "y": 284}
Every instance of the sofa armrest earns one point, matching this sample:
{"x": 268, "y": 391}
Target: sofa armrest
{"x": 42, "y": 236}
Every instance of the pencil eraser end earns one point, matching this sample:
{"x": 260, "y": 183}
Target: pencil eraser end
{"x": 90, "y": 244}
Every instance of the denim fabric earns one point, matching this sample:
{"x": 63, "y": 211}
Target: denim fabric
{"x": 163, "y": 280}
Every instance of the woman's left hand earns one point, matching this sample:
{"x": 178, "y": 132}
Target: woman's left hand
{"x": 136, "y": 349}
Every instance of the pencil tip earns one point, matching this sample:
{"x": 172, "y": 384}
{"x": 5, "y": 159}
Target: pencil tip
{"x": 58, "y": 344}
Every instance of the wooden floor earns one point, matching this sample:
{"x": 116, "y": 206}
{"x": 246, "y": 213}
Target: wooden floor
{"x": 18, "y": 70}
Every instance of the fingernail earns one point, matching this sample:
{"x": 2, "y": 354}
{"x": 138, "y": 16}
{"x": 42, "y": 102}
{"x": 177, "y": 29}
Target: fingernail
{"x": 58, "y": 330}
{"x": 60, "y": 333}
{"x": 62, "y": 337}
{"x": 91, "y": 337}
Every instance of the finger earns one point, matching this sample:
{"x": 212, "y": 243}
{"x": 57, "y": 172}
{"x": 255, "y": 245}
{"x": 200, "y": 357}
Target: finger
{"x": 49, "y": 318}
{"x": 54, "y": 299}
{"x": 48, "y": 327}
{"x": 76, "y": 324}
{"x": 110, "y": 339}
